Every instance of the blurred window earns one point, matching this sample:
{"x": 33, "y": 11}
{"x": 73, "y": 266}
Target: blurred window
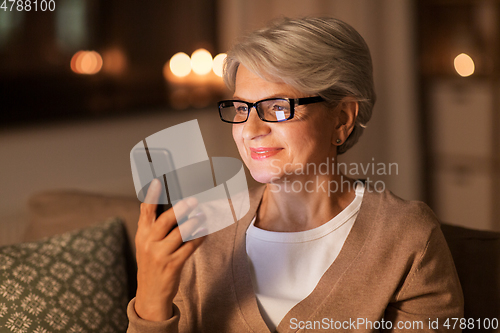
{"x": 10, "y": 21}
{"x": 71, "y": 24}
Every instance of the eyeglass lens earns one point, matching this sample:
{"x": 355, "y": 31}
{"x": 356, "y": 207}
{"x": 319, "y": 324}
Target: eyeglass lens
{"x": 271, "y": 110}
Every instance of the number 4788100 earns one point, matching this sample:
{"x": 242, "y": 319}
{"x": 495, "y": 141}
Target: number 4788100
{"x": 471, "y": 323}
{"x": 28, "y": 5}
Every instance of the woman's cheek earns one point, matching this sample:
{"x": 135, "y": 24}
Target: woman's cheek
{"x": 239, "y": 143}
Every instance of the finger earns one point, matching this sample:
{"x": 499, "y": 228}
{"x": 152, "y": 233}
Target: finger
{"x": 148, "y": 207}
{"x": 187, "y": 249}
{"x": 154, "y": 192}
{"x": 178, "y": 235}
{"x": 168, "y": 219}
{"x": 190, "y": 227}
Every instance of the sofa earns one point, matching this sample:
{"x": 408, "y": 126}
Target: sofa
{"x": 76, "y": 272}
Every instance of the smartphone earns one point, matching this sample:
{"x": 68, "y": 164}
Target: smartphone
{"x": 161, "y": 165}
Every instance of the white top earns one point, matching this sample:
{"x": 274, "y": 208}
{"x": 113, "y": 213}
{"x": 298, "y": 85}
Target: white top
{"x": 287, "y": 266}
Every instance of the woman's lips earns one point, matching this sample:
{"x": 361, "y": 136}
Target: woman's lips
{"x": 263, "y": 152}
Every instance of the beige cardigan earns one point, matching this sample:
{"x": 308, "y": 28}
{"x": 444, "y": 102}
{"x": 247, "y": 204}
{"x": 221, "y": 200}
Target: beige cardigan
{"x": 395, "y": 265}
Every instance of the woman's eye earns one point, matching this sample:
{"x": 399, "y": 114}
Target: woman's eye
{"x": 277, "y": 107}
{"x": 242, "y": 109}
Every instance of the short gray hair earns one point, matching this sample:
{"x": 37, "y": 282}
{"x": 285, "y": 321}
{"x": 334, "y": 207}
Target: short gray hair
{"x": 322, "y": 56}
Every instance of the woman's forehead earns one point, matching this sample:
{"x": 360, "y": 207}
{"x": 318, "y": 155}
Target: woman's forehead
{"x": 251, "y": 87}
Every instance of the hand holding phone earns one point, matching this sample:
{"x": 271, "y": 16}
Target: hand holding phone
{"x": 161, "y": 254}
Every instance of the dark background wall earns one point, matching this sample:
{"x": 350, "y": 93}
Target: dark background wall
{"x": 61, "y": 130}
{"x": 37, "y": 84}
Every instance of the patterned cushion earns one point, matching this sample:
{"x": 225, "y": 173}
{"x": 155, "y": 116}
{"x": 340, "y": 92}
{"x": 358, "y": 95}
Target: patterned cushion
{"x": 74, "y": 282}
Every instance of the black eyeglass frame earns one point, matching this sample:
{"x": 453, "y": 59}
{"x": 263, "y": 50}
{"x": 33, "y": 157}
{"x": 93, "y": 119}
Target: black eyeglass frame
{"x": 292, "y": 101}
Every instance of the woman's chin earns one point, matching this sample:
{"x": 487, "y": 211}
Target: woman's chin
{"x": 264, "y": 177}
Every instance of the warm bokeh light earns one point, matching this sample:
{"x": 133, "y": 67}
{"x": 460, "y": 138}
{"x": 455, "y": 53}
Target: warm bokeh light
{"x": 201, "y": 62}
{"x": 217, "y": 64}
{"x": 180, "y": 64}
{"x": 115, "y": 61}
{"x": 86, "y": 62}
{"x": 194, "y": 81}
{"x": 75, "y": 57}
{"x": 464, "y": 65}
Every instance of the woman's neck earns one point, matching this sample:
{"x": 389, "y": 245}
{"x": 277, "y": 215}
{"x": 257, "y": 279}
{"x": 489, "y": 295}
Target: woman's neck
{"x": 297, "y": 204}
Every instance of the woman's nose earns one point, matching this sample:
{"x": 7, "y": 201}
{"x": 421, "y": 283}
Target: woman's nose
{"x": 254, "y": 126}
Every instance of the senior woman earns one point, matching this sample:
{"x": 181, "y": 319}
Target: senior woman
{"x": 308, "y": 255}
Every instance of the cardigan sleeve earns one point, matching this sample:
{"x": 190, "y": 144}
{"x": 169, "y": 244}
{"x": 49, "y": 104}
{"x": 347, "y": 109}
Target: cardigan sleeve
{"x": 138, "y": 325}
{"x": 431, "y": 294}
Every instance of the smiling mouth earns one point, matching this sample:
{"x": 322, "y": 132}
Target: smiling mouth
{"x": 262, "y": 153}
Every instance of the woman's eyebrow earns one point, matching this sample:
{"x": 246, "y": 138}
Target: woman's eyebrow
{"x": 280, "y": 95}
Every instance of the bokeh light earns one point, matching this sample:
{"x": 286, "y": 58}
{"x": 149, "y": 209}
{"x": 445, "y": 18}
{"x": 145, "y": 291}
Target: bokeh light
{"x": 180, "y": 64}
{"x": 86, "y": 62}
{"x": 464, "y": 65}
{"x": 115, "y": 61}
{"x": 218, "y": 63}
{"x": 201, "y": 61}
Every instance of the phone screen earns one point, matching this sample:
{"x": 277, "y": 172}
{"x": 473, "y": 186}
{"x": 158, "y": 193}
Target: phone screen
{"x": 159, "y": 160}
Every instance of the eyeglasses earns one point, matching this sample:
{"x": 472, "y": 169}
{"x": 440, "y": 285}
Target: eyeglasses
{"x": 271, "y": 110}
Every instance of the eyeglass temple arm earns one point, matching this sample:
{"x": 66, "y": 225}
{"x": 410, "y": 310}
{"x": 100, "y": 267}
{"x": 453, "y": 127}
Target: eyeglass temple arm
{"x": 308, "y": 100}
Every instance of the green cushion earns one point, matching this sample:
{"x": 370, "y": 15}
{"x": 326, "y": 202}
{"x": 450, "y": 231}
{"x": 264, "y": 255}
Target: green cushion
{"x": 74, "y": 282}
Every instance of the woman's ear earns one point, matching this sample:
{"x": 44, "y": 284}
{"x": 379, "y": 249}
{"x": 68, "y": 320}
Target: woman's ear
{"x": 346, "y": 119}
